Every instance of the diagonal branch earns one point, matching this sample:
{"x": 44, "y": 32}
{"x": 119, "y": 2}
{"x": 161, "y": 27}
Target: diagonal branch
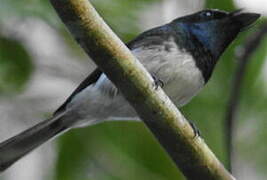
{"x": 191, "y": 155}
{"x": 230, "y": 121}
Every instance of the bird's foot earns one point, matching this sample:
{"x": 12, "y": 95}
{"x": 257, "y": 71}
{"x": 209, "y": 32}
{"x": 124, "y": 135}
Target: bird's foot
{"x": 157, "y": 82}
{"x": 197, "y": 132}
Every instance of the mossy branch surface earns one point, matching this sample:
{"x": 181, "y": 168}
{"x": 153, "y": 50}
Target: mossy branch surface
{"x": 168, "y": 125}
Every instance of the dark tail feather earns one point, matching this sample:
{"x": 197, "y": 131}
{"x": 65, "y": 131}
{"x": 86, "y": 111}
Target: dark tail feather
{"x": 16, "y": 147}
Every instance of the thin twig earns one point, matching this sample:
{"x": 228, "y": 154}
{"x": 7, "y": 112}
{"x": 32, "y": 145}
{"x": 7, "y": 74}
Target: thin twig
{"x": 175, "y": 134}
{"x": 243, "y": 57}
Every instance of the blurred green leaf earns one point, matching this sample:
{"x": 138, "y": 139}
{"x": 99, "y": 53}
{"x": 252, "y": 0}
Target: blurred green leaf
{"x": 253, "y": 109}
{"x": 15, "y": 66}
{"x": 114, "y": 12}
{"x": 227, "y": 5}
{"x": 114, "y": 150}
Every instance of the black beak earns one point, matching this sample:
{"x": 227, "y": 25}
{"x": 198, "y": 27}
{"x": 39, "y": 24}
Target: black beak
{"x": 243, "y": 18}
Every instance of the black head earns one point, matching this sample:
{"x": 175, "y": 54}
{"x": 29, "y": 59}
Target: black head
{"x": 216, "y": 29}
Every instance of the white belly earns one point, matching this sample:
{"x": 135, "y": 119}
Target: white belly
{"x": 176, "y": 68}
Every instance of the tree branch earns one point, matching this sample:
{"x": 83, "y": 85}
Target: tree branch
{"x": 160, "y": 115}
{"x": 243, "y": 59}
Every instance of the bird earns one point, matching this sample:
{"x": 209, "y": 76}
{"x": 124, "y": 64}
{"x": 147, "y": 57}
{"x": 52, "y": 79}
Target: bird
{"x": 181, "y": 54}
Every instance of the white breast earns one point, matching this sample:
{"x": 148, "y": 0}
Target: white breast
{"x": 175, "y": 67}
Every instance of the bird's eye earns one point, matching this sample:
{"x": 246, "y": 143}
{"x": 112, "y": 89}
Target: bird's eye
{"x": 208, "y": 14}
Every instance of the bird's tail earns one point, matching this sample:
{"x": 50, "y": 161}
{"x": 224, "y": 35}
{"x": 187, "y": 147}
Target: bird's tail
{"x": 18, "y": 146}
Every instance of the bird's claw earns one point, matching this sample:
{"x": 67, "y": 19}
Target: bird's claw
{"x": 197, "y": 132}
{"x": 157, "y": 82}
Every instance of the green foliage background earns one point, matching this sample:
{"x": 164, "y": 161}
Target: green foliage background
{"x": 126, "y": 150}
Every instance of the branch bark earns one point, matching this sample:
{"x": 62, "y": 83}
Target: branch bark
{"x": 190, "y": 154}
{"x": 243, "y": 59}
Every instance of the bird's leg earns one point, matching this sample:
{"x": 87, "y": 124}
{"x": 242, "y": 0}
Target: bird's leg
{"x": 197, "y": 132}
{"x": 158, "y": 82}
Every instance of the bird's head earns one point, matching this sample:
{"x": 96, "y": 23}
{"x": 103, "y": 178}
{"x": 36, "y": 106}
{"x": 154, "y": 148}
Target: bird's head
{"x": 215, "y": 29}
